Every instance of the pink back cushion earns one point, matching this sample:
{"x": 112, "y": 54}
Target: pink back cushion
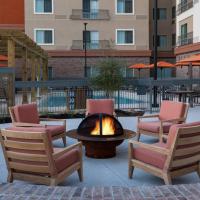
{"x": 26, "y": 113}
{"x": 94, "y": 106}
{"x": 174, "y": 130}
{"x": 172, "y": 110}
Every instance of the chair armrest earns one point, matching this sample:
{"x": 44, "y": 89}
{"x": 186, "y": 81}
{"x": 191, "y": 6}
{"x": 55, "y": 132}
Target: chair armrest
{"x": 67, "y": 149}
{"x": 147, "y": 116}
{"x": 174, "y": 120}
{"x": 20, "y": 124}
{"x": 151, "y": 147}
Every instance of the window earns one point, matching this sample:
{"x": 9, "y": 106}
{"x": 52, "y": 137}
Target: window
{"x": 173, "y": 39}
{"x": 124, "y": 37}
{"x": 44, "y": 36}
{"x": 173, "y": 12}
{"x": 124, "y": 6}
{"x": 43, "y": 6}
{"x": 162, "y": 41}
{"x": 92, "y": 39}
{"x": 50, "y": 73}
{"x": 161, "y": 13}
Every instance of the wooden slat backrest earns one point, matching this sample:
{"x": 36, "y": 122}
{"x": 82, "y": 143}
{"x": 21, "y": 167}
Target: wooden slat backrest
{"x": 186, "y": 150}
{"x": 12, "y": 114}
{"x": 27, "y": 151}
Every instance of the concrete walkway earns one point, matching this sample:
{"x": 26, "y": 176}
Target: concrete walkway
{"x": 113, "y": 172}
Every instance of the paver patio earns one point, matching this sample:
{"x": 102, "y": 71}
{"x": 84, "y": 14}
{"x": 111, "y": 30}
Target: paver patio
{"x": 113, "y": 172}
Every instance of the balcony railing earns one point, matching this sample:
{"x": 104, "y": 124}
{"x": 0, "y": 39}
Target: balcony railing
{"x": 93, "y": 44}
{"x": 182, "y": 7}
{"x": 78, "y": 14}
{"x": 185, "y": 39}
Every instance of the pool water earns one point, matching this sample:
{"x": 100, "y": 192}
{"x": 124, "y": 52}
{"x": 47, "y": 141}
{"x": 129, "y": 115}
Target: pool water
{"x": 56, "y": 101}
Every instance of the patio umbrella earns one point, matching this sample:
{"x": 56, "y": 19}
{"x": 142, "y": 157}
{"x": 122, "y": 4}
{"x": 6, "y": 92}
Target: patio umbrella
{"x": 139, "y": 66}
{"x": 162, "y": 65}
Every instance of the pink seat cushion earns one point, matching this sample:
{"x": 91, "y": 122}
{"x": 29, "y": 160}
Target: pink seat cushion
{"x": 67, "y": 160}
{"x": 100, "y": 106}
{"x": 172, "y": 110}
{"x": 154, "y": 126}
{"x": 150, "y": 157}
{"x": 55, "y": 129}
{"x": 26, "y": 113}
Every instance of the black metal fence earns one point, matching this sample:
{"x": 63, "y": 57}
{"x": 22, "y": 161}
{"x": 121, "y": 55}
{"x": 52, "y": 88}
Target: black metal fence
{"x": 62, "y": 96}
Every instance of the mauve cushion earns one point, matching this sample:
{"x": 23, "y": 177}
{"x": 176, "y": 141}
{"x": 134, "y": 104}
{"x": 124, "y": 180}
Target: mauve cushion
{"x": 94, "y": 106}
{"x": 55, "y": 129}
{"x": 150, "y": 157}
{"x": 172, "y": 110}
{"x": 154, "y": 126}
{"x": 67, "y": 160}
{"x": 26, "y": 113}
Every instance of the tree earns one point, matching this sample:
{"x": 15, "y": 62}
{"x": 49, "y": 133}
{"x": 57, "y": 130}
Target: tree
{"x": 109, "y": 77}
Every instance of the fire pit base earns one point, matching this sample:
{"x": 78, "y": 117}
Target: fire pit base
{"x": 96, "y": 147}
{"x": 101, "y": 149}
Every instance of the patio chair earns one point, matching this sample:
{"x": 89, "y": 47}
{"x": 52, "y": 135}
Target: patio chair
{"x": 179, "y": 156}
{"x": 94, "y": 106}
{"x": 170, "y": 113}
{"x": 26, "y": 115}
{"x": 30, "y": 156}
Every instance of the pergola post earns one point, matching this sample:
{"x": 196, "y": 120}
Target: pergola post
{"x": 11, "y": 63}
{"x": 33, "y": 77}
{"x": 24, "y": 75}
{"x": 45, "y": 69}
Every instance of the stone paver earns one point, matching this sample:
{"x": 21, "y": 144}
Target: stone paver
{"x": 33, "y": 192}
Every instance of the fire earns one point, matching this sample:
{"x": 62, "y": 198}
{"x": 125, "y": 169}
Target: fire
{"x": 107, "y": 127}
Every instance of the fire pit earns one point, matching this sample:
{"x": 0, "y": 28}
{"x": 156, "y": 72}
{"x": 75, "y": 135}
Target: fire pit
{"x": 100, "y": 134}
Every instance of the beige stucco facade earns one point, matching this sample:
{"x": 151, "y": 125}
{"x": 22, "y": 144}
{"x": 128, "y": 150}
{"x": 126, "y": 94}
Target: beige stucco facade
{"x": 66, "y": 30}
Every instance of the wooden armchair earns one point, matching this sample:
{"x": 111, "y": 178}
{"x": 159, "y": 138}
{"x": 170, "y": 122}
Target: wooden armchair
{"x": 26, "y": 115}
{"x": 179, "y": 156}
{"x": 94, "y": 106}
{"x": 170, "y": 113}
{"x": 30, "y": 156}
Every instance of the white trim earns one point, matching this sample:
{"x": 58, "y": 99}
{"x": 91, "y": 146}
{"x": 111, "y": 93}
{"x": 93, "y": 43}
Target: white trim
{"x": 45, "y": 29}
{"x": 43, "y": 13}
{"x": 123, "y": 29}
{"x": 133, "y": 9}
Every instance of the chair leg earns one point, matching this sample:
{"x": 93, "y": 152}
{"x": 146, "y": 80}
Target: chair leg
{"x": 80, "y": 174}
{"x": 64, "y": 141}
{"x": 167, "y": 179}
{"x": 138, "y": 136}
{"x": 53, "y": 182}
{"x": 130, "y": 171}
{"x": 10, "y": 177}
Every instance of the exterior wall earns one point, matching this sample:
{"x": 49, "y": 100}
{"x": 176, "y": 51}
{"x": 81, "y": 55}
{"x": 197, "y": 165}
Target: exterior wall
{"x": 189, "y": 22}
{"x": 67, "y": 30}
{"x": 12, "y": 13}
{"x": 165, "y": 27}
{"x": 62, "y": 66}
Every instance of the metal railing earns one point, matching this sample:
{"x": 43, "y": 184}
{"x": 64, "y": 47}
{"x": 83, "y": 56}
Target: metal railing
{"x": 184, "y": 6}
{"x": 93, "y": 44}
{"x": 79, "y": 14}
{"x": 63, "y": 96}
{"x": 185, "y": 39}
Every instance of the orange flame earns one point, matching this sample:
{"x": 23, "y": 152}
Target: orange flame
{"x": 108, "y": 127}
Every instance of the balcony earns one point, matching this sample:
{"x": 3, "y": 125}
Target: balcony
{"x": 185, "y": 39}
{"x": 182, "y": 7}
{"x": 78, "y": 14}
{"x": 92, "y": 45}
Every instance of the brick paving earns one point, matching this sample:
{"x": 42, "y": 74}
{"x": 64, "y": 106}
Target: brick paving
{"x": 18, "y": 191}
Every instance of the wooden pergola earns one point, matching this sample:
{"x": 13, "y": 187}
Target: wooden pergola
{"x": 34, "y": 66}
